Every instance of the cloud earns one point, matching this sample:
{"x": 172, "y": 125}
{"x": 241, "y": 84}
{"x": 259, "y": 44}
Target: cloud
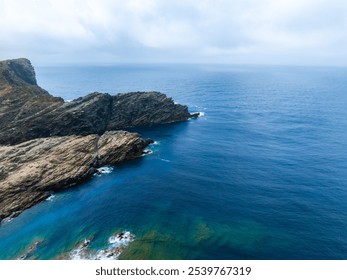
{"x": 238, "y": 31}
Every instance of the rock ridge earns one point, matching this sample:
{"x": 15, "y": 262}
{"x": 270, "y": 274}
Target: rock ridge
{"x": 32, "y": 170}
{"x": 48, "y": 145}
{"x": 28, "y": 111}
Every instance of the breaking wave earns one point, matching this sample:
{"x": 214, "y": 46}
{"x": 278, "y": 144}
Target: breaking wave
{"x": 115, "y": 247}
{"x": 103, "y": 170}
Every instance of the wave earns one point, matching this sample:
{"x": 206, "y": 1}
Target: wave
{"x": 201, "y": 114}
{"x": 6, "y": 220}
{"x": 116, "y": 245}
{"x": 147, "y": 152}
{"x": 50, "y": 198}
{"x": 103, "y": 170}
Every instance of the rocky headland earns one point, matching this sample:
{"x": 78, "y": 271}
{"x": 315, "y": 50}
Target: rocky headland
{"x": 47, "y": 144}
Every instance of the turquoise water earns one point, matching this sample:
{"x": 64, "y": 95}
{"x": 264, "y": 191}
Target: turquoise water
{"x": 260, "y": 175}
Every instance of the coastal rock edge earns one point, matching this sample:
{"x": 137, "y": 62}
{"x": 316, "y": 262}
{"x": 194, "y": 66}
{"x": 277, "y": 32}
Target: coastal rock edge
{"x": 47, "y": 144}
{"x": 32, "y": 170}
{"x": 28, "y": 112}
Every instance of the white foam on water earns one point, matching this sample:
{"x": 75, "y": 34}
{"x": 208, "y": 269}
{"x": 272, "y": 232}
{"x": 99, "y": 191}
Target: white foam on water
{"x": 166, "y": 160}
{"x": 115, "y": 248}
{"x": 121, "y": 239}
{"x": 156, "y": 143}
{"x": 201, "y": 114}
{"x": 78, "y": 254}
{"x": 104, "y": 170}
{"x": 50, "y": 198}
{"x": 6, "y": 220}
{"x": 147, "y": 152}
{"x": 81, "y": 252}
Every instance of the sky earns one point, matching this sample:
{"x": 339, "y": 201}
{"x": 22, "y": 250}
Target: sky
{"x": 289, "y": 32}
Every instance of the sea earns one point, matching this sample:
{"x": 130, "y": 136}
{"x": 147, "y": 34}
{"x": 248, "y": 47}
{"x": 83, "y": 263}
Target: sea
{"x": 261, "y": 174}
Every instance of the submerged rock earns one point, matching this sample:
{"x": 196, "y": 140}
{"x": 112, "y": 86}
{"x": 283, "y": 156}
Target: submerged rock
{"x": 27, "y": 254}
{"x": 115, "y": 247}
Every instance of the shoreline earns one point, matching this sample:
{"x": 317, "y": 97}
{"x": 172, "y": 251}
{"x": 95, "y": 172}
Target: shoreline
{"x": 47, "y": 165}
{"x": 48, "y": 145}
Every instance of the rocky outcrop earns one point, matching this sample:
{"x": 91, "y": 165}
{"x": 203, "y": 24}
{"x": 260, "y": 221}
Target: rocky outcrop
{"x": 30, "y": 171}
{"x": 21, "y": 98}
{"x": 28, "y": 112}
{"x": 145, "y": 108}
{"x": 49, "y": 145}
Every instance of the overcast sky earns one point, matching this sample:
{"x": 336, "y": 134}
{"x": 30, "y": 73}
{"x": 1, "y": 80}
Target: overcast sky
{"x": 299, "y": 32}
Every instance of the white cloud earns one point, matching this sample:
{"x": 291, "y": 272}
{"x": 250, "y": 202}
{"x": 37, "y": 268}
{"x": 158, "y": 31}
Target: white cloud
{"x": 249, "y": 31}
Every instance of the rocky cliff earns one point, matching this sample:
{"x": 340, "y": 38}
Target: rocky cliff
{"x": 28, "y": 112}
{"x": 30, "y": 171}
{"x": 49, "y": 145}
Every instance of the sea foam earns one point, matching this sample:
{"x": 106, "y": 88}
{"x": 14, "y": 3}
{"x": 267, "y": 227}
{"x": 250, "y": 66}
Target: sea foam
{"x": 50, "y": 198}
{"x": 147, "y": 152}
{"x": 115, "y": 247}
{"x": 104, "y": 170}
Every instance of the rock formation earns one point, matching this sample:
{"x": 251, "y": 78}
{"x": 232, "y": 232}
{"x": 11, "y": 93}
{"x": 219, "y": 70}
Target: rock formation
{"x": 49, "y": 145}
{"x": 28, "y": 112}
{"x": 32, "y": 170}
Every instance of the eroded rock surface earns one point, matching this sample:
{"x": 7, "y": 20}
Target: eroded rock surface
{"x": 49, "y": 145}
{"x": 30, "y": 171}
{"x": 28, "y": 111}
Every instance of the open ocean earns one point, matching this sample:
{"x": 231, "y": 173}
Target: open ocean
{"x": 262, "y": 174}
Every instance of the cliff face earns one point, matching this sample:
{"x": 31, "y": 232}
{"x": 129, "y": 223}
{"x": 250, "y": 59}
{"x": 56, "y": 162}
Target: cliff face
{"x": 28, "y": 112}
{"x": 50, "y": 145}
{"x": 30, "y": 171}
{"x": 145, "y": 108}
{"x": 20, "y": 96}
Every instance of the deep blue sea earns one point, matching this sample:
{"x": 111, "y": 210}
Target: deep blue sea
{"x": 262, "y": 174}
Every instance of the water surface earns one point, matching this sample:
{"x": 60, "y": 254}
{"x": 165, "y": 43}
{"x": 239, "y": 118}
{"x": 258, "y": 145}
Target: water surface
{"x": 260, "y": 175}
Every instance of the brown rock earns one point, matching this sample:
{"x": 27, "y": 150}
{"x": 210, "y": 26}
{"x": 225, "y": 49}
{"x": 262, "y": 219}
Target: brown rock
{"x": 30, "y": 171}
{"x": 28, "y": 111}
{"x": 57, "y": 144}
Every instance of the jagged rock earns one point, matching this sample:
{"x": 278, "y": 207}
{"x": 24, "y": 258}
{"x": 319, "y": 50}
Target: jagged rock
{"x": 57, "y": 144}
{"x": 28, "y": 112}
{"x": 21, "y": 98}
{"x": 143, "y": 109}
{"x": 33, "y": 169}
